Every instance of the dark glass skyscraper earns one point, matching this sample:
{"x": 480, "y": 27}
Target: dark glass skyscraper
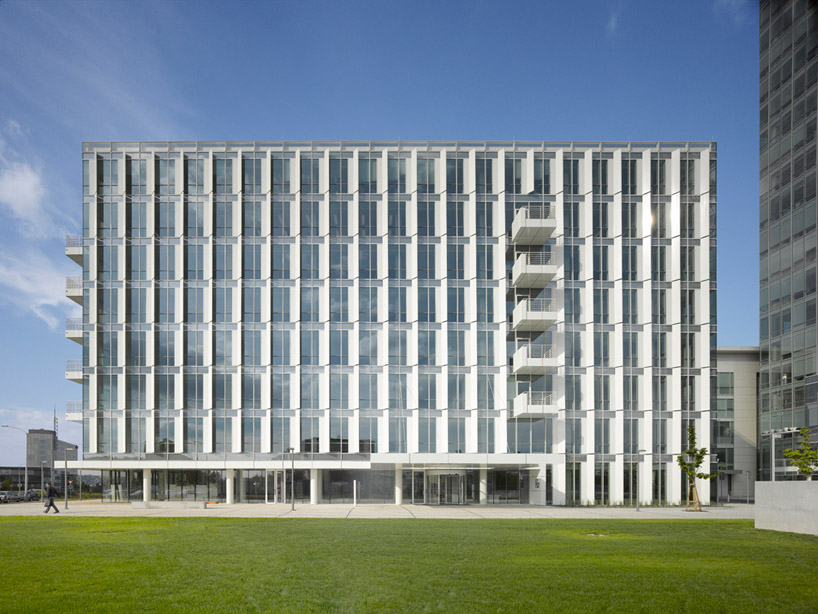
{"x": 788, "y": 72}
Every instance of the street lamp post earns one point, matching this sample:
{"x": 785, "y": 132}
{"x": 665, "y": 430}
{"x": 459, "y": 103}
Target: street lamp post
{"x": 42, "y": 476}
{"x": 25, "y": 453}
{"x": 65, "y": 473}
{"x": 292, "y": 477}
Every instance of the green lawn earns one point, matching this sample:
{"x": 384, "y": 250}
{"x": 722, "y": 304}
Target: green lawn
{"x": 259, "y": 565}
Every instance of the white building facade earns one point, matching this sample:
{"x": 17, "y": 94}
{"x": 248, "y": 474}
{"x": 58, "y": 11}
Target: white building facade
{"x": 427, "y": 322}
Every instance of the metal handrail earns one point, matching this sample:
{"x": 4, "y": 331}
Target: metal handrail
{"x": 73, "y": 324}
{"x": 73, "y": 240}
{"x": 538, "y": 211}
{"x": 540, "y": 350}
{"x": 541, "y": 304}
{"x": 539, "y": 397}
{"x": 539, "y": 258}
{"x": 73, "y": 406}
{"x": 73, "y": 364}
{"x": 73, "y": 283}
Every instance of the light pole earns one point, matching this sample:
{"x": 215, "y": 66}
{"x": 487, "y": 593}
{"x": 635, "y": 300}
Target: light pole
{"x": 25, "y": 452}
{"x": 65, "y": 472}
{"x": 292, "y": 477}
{"x": 42, "y": 477}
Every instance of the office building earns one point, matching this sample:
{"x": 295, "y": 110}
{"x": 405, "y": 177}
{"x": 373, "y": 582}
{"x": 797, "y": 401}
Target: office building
{"x": 436, "y": 322}
{"x": 788, "y": 386}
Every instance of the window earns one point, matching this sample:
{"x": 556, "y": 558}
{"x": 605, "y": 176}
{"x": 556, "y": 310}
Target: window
{"x": 485, "y": 304}
{"x": 396, "y": 220}
{"x": 310, "y": 398}
{"x": 457, "y": 348}
{"x": 658, "y": 306}
{"x": 338, "y": 261}
{"x": 660, "y": 393}
{"x": 368, "y": 261}
{"x": 573, "y": 349}
{"x": 367, "y": 218}
{"x": 137, "y": 305}
{"x": 107, "y": 349}
{"x": 427, "y": 391}
{"x": 397, "y": 434}
{"x": 397, "y": 347}
{"x": 280, "y": 348}
{"x": 397, "y": 391}
{"x": 367, "y": 175}
{"x": 310, "y": 308}
{"x": 223, "y": 268}
{"x": 485, "y": 348}
{"x": 688, "y": 221}
{"x": 309, "y": 176}
{"x": 485, "y": 219}
{"x": 309, "y": 261}
{"x": 630, "y": 349}
{"x": 194, "y": 218}
{"x": 600, "y": 173}
{"x": 135, "y": 349}
{"x": 251, "y": 390}
{"x": 600, "y": 262}
{"x": 165, "y": 176}
{"x": 427, "y": 434}
{"x": 397, "y": 261}
{"x": 165, "y": 305}
{"x": 688, "y": 350}
{"x": 194, "y": 305}
{"x": 573, "y": 305}
{"x": 107, "y": 176}
{"x": 602, "y": 436}
{"x": 456, "y": 261}
{"x": 630, "y": 391}
{"x": 367, "y": 434}
{"x": 688, "y": 307}
{"x": 629, "y": 177}
{"x": 629, "y": 263}
{"x": 339, "y": 304}
{"x": 514, "y": 176}
{"x": 483, "y": 169}
{"x": 427, "y": 311}
{"x": 485, "y": 262}
{"x": 397, "y": 176}
{"x": 454, "y": 219}
{"x": 339, "y": 347}
{"x": 165, "y": 348}
{"x": 136, "y": 176}
{"x": 251, "y": 348}
{"x": 108, "y": 219}
{"x": 368, "y": 304}
{"x": 368, "y": 347}
{"x": 252, "y": 176}
{"x": 658, "y": 212}
{"x": 426, "y": 176}
{"x": 251, "y": 218}
{"x": 136, "y": 397}
{"x": 224, "y": 218}
{"x": 426, "y": 218}
{"x": 251, "y": 304}
{"x": 630, "y": 220}
{"x": 456, "y": 305}
{"x": 368, "y": 392}
{"x": 571, "y": 219}
{"x": 660, "y": 436}
{"x": 223, "y": 304}
{"x": 687, "y": 177}
{"x": 137, "y": 262}
{"x": 657, "y": 177}
{"x": 309, "y": 347}
{"x": 281, "y": 260}
{"x": 280, "y": 304}
{"x": 427, "y": 347}
{"x": 397, "y": 304}
{"x": 658, "y": 263}
{"x": 338, "y": 176}
{"x": 222, "y": 176}
{"x": 339, "y": 429}
{"x": 426, "y": 261}
{"x": 194, "y": 175}
{"x": 485, "y": 391}
{"x": 222, "y": 392}
{"x": 659, "y": 350}
{"x": 570, "y": 176}
{"x": 454, "y": 176}
{"x": 601, "y": 305}
{"x": 251, "y": 261}
{"x": 485, "y": 434}
{"x": 600, "y": 212}
{"x": 601, "y": 349}
{"x": 166, "y": 224}
{"x": 280, "y": 219}
{"x": 688, "y": 263}
{"x": 309, "y": 433}
{"x": 338, "y": 226}
{"x": 281, "y": 176}
{"x": 166, "y": 256}
{"x": 542, "y": 176}
{"x": 630, "y": 306}
{"x": 138, "y": 219}
{"x": 309, "y": 219}
{"x": 457, "y": 391}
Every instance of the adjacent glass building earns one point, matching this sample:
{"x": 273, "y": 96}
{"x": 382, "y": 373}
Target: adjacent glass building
{"x": 427, "y": 322}
{"x": 788, "y": 387}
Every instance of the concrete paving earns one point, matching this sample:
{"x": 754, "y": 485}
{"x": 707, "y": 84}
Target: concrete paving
{"x": 279, "y": 510}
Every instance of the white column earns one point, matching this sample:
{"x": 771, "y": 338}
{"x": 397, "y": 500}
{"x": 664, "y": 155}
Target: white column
{"x": 558, "y": 483}
{"x": 484, "y": 487}
{"x": 230, "y": 486}
{"x": 146, "y": 485}
{"x": 242, "y": 488}
{"x": 313, "y": 486}
{"x": 398, "y": 484}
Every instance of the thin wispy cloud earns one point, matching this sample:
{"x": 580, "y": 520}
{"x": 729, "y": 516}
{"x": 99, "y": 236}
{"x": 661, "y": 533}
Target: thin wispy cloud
{"x": 613, "y": 18}
{"x": 739, "y": 11}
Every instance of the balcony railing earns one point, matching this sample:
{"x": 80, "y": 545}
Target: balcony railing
{"x": 73, "y": 240}
{"x": 538, "y": 397}
{"x": 73, "y": 283}
{"x": 538, "y": 211}
{"x": 540, "y": 259}
{"x": 542, "y": 304}
{"x": 73, "y": 324}
{"x": 540, "y": 350}
{"x": 73, "y": 365}
{"x": 73, "y": 407}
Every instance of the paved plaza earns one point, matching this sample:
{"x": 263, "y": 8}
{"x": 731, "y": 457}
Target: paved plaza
{"x": 280, "y": 510}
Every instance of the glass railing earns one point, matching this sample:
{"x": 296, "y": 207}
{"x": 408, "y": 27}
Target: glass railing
{"x": 537, "y": 212}
{"x": 538, "y": 397}
{"x": 73, "y": 365}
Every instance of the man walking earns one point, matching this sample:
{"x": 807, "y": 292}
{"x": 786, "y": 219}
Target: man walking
{"x": 50, "y": 493}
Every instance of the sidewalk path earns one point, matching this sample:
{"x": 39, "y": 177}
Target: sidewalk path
{"x": 281, "y": 510}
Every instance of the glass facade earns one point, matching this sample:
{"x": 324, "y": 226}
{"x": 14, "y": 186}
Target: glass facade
{"x": 458, "y": 302}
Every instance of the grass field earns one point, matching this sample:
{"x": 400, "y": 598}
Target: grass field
{"x": 259, "y": 565}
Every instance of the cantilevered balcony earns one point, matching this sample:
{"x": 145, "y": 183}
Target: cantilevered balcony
{"x": 73, "y": 289}
{"x": 534, "y": 404}
{"x": 73, "y": 411}
{"x": 73, "y": 329}
{"x": 535, "y": 359}
{"x": 534, "y": 314}
{"x": 534, "y": 270}
{"x": 73, "y": 370}
{"x": 73, "y": 248}
{"x": 533, "y": 224}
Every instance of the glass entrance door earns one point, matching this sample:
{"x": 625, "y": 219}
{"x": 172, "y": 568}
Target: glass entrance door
{"x": 278, "y": 487}
{"x": 446, "y": 489}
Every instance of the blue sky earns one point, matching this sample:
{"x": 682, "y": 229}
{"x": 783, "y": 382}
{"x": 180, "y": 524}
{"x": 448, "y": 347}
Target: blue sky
{"x": 585, "y": 71}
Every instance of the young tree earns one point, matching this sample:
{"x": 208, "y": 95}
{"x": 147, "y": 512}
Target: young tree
{"x": 805, "y": 459}
{"x": 690, "y": 460}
